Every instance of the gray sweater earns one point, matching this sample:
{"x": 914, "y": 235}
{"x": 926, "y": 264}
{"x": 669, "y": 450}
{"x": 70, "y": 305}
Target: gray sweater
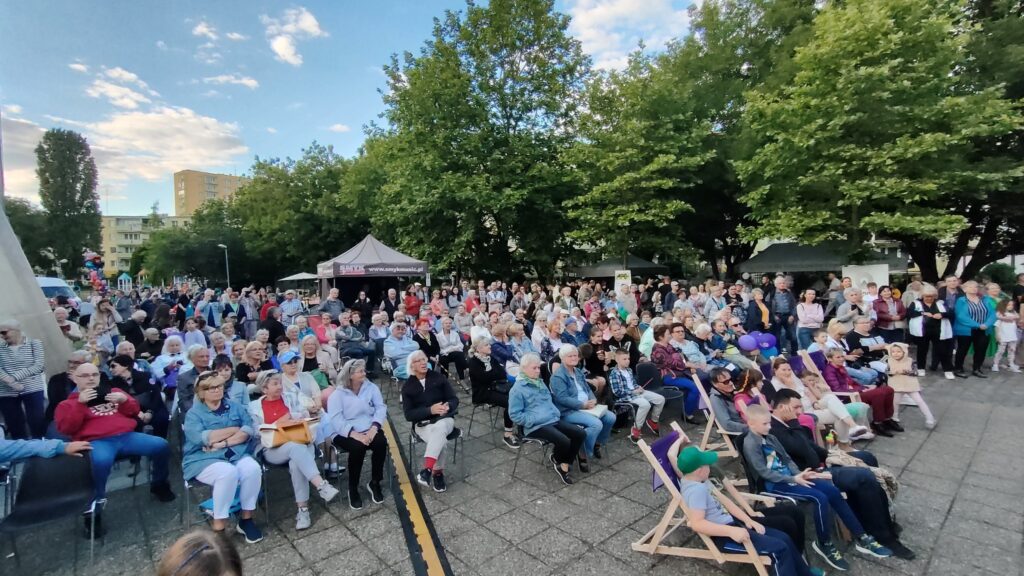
{"x": 759, "y": 463}
{"x": 726, "y": 413}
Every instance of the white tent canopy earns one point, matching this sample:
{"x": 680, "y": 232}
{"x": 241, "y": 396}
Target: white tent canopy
{"x": 299, "y": 276}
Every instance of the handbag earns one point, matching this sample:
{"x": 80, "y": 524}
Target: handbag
{"x": 272, "y": 435}
{"x": 321, "y": 379}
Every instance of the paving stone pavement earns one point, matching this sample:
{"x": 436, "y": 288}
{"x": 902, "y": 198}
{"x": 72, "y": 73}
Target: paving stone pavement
{"x": 961, "y": 504}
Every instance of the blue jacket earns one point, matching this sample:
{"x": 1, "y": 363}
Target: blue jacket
{"x": 199, "y": 422}
{"x": 502, "y": 352}
{"x": 564, "y": 389}
{"x": 398, "y": 350}
{"x": 962, "y": 322}
{"x": 530, "y": 405}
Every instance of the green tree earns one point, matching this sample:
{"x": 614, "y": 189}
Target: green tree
{"x": 29, "y": 224}
{"x": 67, "y": 189}
{"x": 478, "y": 124}
{"x": 872, "y": 136}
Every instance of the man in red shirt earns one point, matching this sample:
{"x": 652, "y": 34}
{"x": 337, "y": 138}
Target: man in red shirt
{"x": 106, "y": 417}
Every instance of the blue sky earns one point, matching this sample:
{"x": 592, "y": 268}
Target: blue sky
{"x": 163, "y": 86}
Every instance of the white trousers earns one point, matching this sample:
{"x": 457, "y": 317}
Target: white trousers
{"x": 436, "y": 437}
{"x": 225, "y": 477}
{"x": 301, "y": 460}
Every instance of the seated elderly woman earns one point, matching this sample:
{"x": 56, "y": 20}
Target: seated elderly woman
{"x": 490, "y": 385}
{"x": 578, "y": 405}
{"x": 169, "y": 364}
{"x": 866, "y": 338}
{"x": 819, "y": 400}
{"x": 398, "y": 346}
{"x": 302, "y": 382}
{"x": 451, "y": 347}
{"x": 234, "y": 390}
{"x": 218, "y": 453}
{"x": 283, "y": 406}
{"x": 316, "y": 361}
{"x": 530, "y": 406}
{"x": 254, "y": 361}
{"x": 834, "y": 337}
{"x": 356, "y": 412}
{"x": 430, "y": 403}
{"x": 879, "y": 398}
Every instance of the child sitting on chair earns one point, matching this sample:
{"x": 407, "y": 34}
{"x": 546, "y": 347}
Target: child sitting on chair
{"x": 625, "y": 388}
{"x": 727, "y": 524}
{"x": 903, "y": 380}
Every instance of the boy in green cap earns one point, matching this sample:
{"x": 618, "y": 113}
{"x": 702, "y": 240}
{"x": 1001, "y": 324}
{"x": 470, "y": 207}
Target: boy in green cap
{"x": 727, "y": 524}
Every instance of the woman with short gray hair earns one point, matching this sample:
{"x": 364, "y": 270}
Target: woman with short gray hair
{"x": 929, "y": 322}
{"x": 22, "y": 362}
{"x": 356, "y": 415}
{"x": 575, "y": 399}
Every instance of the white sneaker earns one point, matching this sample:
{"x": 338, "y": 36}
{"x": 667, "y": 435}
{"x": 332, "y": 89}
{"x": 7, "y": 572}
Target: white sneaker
{"x": 907, "y": 400}
{"x": 1014, "y": 368}
{"x": 995, "y": 367}
{"x": 930, "y": 424}
{"x": 327, "y": 492}
{"x": 302, "y": 519}
{"x": 860, "y": 433}
{"x": 949, "y": 376}
{"x": 920, "y": 372}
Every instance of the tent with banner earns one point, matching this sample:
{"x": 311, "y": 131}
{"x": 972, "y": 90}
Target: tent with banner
{"x": 372, "y": 260}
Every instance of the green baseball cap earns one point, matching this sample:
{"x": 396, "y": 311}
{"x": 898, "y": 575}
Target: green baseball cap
{"x": 691, "y": 458}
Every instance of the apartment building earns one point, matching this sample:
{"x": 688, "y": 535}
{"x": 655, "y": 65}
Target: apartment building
{"x": 122, "y": 236}
{"x": 192, "y": 188}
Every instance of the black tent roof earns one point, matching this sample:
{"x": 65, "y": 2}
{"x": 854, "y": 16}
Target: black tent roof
{"x": 371, "y": 257}
{"x": 606, "y": 268}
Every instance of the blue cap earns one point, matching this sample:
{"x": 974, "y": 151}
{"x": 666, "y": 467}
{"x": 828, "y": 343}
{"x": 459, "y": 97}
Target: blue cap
{"x": 570, "y": 321}
{"x": 288, "y": 356}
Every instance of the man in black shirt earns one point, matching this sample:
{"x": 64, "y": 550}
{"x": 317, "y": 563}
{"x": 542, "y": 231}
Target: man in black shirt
{"x": 622, "y": 340}
{"x": 865, "y": 495}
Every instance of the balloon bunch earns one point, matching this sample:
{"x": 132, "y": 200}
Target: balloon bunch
{"x": 763, "y": 341}
{"x": 93, "y": 263}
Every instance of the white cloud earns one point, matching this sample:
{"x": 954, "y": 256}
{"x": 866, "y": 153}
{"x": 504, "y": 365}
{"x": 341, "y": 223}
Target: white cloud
{"x": 125, "y": 77}
{"x": 12, "y": 109}
{"x": 293, "y": 25}
{"x": 236, "y": 36}
{"x": 120, "y": 96}
{"x": 271, "y": 130}
{"x": 246, "y": 81}
{"x": 161, "y": 45}
{"x": 339, "y": 128}
{"x": 79, "y": 67}
{"x": 205, "y": 30}
{"x": 20, "y": 138}
{"x": 207, "y": 53}
{"x": 610, "y": 29}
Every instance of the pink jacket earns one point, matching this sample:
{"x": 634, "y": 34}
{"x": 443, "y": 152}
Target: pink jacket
{"x": 809, "y": 315}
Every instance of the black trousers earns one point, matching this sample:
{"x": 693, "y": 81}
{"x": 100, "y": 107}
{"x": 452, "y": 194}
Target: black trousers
{"x": 495, "y": 398}
{"x": 565, "y": 438}
{"x": 786, "y": 517}
{"x": 357, "y": 453}
{"x": 866, "y": 498}
{"x": 942, "y": 352}
{"x": 459, "y": 358}
{"x": 979, "y": 339}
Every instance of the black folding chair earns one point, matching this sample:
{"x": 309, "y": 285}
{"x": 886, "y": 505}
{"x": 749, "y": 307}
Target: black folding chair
{"x": 51, "y": 489}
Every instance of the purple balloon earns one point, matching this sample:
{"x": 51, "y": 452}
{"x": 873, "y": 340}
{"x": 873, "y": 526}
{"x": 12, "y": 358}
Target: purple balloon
{"x": 747, "y": 343}
{"x": 766, "y": 340}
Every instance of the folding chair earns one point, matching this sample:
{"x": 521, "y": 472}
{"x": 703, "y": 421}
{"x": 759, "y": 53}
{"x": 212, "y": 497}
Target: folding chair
{"x": 456, "y": 435}
{"x": 51, "y": 489}
{"x": 726, "y": 446}
{"x": 524, "y": 442}
{"x": 389, "y": 370}
{"x": 653, "y": 541}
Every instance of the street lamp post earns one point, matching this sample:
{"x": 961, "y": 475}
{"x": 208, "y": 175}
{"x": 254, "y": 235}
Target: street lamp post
{"x": 227, "y": 267}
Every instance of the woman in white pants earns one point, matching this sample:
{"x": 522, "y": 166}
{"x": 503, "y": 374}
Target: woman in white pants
{"x": 217, "y": 453}
{"x": 283, "y": 406}
{"x": 823, "y": 404}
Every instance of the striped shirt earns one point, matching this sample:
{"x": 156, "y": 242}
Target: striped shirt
{"x": 978, "y": 311}
{"x": 25, "y": 364}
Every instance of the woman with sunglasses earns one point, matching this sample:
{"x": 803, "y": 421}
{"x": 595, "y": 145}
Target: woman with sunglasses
{"x": 217, "y": 453}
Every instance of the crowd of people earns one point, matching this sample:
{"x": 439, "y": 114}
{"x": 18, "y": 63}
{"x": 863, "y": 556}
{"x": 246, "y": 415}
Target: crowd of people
{"x": 257, "y": 378}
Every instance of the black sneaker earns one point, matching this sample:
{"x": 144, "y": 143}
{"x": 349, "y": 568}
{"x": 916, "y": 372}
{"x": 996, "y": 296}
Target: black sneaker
{"x": 376, "y": 494}
{"x": 423, "y": 477}
{"x": 880, "y": 430}
{"x": 162, "y": 492}
{"x": 978, "y": 374}
{"x": 563, "y": 474}
{"x": 900, "y": 551}
{"x": 598, "y": 453}
{"x": 584, "y": 465}
{"x": 439, "y": 484}
{"x": 355, "y": 501}
{"x": 894, "y": 425}
{"x": 959, "y": 373}
{"x": 511, "y": 441}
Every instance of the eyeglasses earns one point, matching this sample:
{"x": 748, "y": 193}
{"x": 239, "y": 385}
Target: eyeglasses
{"x": 725, "y": 381}
{"x": 214, "y": 387}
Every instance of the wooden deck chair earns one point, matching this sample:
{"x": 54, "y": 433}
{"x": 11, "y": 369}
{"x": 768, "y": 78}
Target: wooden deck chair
{"x": 724, "y": 448}
{"x": 811, "y": 364}
{"x": 653, "y": 542}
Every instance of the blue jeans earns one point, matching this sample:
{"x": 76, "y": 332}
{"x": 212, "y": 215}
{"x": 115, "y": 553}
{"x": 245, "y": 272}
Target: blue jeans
{"x": 863, "y": 376}
{"x": 786, "y": 558}
{"x": 804, "y": 337}
{"x": 598, "y": 429}
{"x": 106, "y": 450}
{"x": 826, "y": 498}
{"x": 24, "y": 410}
{"x": 692, "y": 401}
